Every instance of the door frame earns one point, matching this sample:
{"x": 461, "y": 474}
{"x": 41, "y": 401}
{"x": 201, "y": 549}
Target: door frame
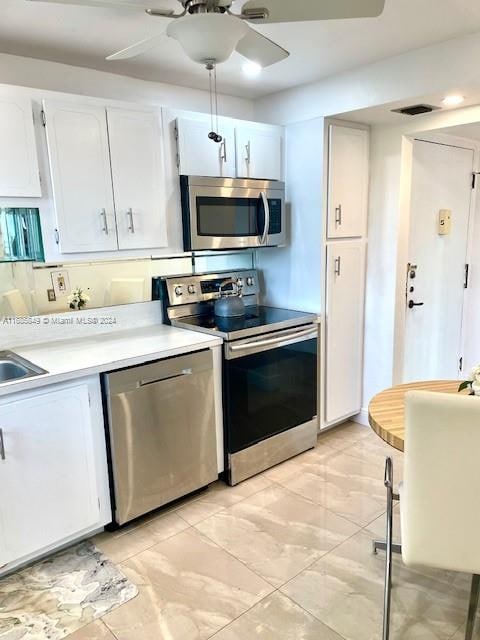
{"x": 406, "y": 170}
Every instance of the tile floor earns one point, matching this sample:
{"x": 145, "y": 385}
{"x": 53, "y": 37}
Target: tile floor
{"x": 285, "y": 555}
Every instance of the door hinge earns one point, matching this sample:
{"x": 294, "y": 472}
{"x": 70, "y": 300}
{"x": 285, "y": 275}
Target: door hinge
{"x": 460, "y": 364}
{"x": 175, "y": 131}
{"x": 57, "y": 237}
{"x": 467, "y": 273}
{"x": 177, "y": 160}
{"x": 44, "y": 118}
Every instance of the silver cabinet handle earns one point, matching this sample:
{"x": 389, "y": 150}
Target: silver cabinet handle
{"x": 247, "y": 149}
{"x": 131, "y": 226}
{"x": 103, "y": 215}
{"x": 266, "y": 227}
{"x": 338, "y": 215}
{"x": 223, "y": 151}
{"x": 2, "y": 446}
{"x": 338, "y": 266}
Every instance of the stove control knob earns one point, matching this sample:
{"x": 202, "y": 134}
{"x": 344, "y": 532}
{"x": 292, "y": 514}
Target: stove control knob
{"x": 191, "y": 288}
{"x": 240, "y": 282}
{"x": 178, "y": 290}
{"x": 250, "y": 281}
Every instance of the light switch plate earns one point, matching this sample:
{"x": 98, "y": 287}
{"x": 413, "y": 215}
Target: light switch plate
{"x": 60, "y": 282}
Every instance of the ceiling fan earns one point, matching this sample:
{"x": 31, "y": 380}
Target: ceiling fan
{"x": 209, "y": 31}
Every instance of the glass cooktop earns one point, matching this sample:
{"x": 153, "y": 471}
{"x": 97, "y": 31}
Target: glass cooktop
{"x": 257, "y": 320}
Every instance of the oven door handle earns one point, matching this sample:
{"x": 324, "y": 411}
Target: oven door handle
{"x": 283, "y": 340}
{"x": 266, "y": 226}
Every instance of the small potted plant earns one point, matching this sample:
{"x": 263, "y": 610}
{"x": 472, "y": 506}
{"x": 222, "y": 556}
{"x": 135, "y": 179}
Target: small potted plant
{"x": 78, "y": 299}
{"x": 474, "y": 383}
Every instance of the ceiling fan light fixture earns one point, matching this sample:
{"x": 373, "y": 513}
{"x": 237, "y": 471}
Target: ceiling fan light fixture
{"x": 208, "y": 36}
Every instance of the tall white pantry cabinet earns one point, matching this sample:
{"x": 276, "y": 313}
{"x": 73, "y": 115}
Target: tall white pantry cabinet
{"x": 345, "y": 258}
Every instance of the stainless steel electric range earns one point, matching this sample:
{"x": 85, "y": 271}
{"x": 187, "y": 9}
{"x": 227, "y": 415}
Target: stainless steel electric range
{"x": 270, "y": 368}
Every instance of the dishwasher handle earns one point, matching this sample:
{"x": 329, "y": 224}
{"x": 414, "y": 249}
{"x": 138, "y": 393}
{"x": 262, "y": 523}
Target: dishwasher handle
{"x": 139, "y": 377}
{"x": 181, "y": 374}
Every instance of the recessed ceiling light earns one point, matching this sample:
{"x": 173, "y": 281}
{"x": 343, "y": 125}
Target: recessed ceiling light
{"x": 453, "y": 100}
{"x": 251, "y": 69}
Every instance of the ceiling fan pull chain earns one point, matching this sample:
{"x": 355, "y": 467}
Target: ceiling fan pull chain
{"x": 211, "y": 97}
{"x": 211, "y": 66}
{"x": 219, "y": 137}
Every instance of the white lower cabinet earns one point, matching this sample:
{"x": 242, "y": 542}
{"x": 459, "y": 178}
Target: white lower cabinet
{"x": 344, "y": 329}
{"x": 53, "y": 469}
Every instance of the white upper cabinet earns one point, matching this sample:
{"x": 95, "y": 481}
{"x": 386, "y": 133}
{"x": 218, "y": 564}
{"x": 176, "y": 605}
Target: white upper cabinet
{"x": 258, "y": 151}
{"x": 200, "y": 156}
{"x": 82, "y": 184}
{"x": 137, "y": 171}
{"x": 19, "y": 176}
{"x": 344, "y": 333}
{"x": 347, "y": 182}
{"x": 48, "y": 483}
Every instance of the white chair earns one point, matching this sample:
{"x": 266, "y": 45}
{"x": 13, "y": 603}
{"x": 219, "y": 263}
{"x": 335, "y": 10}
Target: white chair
{"x": 439, "y": 497}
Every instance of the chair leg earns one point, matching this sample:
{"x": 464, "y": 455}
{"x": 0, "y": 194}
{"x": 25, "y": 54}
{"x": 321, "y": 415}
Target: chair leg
{"x": 472, "y": 607}
{"x": 388, "y": 555}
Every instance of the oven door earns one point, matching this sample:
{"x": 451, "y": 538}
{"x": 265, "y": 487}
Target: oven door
{"x": 270, "y": 385}
{"x": 235, "y": 218}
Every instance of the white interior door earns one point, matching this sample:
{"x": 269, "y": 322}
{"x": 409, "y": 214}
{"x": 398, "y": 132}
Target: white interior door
{"x": 441, "y": 180}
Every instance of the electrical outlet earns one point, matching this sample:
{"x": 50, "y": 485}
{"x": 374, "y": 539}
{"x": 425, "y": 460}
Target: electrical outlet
{"x": 51, "y": 295}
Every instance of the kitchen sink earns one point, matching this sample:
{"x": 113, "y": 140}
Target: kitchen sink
{"x": 13, "y": 367}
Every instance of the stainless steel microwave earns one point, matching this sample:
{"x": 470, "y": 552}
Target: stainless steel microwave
{"x": 232, "y": 213}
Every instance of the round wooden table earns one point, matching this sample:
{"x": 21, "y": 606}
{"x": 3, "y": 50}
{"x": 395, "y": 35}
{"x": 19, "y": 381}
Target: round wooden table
{"x": 386, "y": 411}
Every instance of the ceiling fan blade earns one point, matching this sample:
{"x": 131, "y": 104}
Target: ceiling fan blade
{"x": 258, "y": 48}
{"x": 138, "y": 48}
{"x": 113, "y": 4}
{"x": 301, "y": 10}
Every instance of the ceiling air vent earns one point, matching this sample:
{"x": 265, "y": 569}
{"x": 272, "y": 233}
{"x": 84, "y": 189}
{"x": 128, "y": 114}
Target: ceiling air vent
{"x": 416, "y": 109}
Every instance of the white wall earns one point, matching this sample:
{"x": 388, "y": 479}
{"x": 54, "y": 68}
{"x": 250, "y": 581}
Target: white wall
{"x": 53, "y": 76}
{"x": 296, "y": 271}
{"x": 445, "y": 66}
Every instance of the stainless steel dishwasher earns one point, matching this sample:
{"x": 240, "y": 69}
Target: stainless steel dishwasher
{"x": 162, "y": 432}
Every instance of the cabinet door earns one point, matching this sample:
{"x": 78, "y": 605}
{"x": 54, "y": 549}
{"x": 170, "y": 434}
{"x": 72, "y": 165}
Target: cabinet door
{"x": 347, "y": 182}
{"x": 200, "y": 156}
{"x": 18, "y": 161}
{"x": 82, "y": 182}
{"x": 47, "y": 475}
{"x": 136, "y": 159}
{"x": 259, "y": 151}
{"x": 344, "y": 329}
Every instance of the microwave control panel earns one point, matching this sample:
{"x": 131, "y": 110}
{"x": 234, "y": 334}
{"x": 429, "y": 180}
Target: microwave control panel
{"x": 275, "y": 226}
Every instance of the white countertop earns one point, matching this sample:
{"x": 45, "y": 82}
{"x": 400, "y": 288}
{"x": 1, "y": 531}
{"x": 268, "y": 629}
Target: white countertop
{"x": 68, "y": 359}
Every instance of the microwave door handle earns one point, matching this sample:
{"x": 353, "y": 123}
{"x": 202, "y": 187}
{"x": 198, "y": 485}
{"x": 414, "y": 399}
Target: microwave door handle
{"x": 266, "y": 206}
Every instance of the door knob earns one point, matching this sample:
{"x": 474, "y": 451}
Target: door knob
{"x": 412, "y": 304}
